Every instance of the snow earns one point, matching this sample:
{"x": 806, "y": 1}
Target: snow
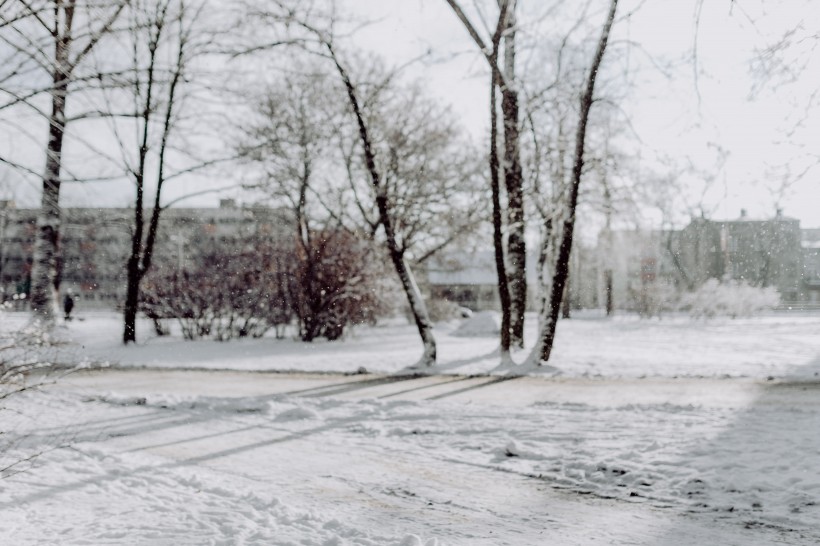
{"x": 483, "y": 324}
{"x": 655, "y": 432}
{"x": 774, "y": 345}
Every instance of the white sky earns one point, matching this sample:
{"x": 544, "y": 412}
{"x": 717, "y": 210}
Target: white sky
{"x": 681, "y": 118}
{"x": 675, "y": 117}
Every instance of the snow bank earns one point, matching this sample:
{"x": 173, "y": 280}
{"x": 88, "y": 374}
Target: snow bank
{"x": 483, "y": 324}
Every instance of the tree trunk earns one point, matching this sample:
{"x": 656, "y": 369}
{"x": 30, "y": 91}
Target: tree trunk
{"x": 546, "y": 337}
{"x": 411, "y": 290}
{"x": 129, "y": 334}
{"x": 610, "y": 308}
{"x": 513, "y": 181}
{"x": 566, "y": 304}
{"x": 417, "y": 306}
{"x": 44, "y": 300}
{"x": 498, "y": 232}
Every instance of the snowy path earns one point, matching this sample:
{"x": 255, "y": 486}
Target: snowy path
{"x": 173, "y": 457}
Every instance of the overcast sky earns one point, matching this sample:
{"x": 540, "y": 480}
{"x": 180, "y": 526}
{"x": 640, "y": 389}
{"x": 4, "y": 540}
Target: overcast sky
{"x": 767, "y": 128}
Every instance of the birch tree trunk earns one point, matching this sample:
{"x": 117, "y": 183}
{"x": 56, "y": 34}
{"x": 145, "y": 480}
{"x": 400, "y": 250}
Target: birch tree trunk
{"x": 513, "y": 181}
{"x": 498, "y": 232}
{"x": 44, "y": 299}
{"x": 515, "y": 266}
{"x": 57, "y": 19}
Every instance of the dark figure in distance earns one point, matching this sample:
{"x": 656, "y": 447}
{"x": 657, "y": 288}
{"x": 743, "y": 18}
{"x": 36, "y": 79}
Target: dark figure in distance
{"x": 68, "y": 305}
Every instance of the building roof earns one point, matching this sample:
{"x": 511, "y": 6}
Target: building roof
{"x": 470, "y": 268}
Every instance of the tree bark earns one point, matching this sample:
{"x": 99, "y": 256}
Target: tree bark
{"x": 610, "y": 307}
{"x": 513, "y": 181}
{"x": 566, "y": 304}
{"x": 43, "y": 297}
{"x": 498, "y": 235}
{"x": 131, "y": 301}
{"x": 543, "y": 347}
{"x": 498, "y": 228}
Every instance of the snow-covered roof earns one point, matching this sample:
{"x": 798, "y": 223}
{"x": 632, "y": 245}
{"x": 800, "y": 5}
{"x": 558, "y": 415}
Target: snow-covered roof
{"x": 469, "y": 268}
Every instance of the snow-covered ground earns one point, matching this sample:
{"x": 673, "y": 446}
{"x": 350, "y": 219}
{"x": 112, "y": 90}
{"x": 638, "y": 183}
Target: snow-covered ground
{"x": 655, "y": 432}
{"x": 774, "y": 345}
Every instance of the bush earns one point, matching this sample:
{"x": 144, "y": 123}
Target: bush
{"x": 728, "y": 298}
{"x": 338, "y": 281}
{"x": 323, "y": 287}
{"x": 441, "y": 310}
{"x": 654, "y": 299}
{"x": 24, "y": 366}
{"x": 227, "y": 295}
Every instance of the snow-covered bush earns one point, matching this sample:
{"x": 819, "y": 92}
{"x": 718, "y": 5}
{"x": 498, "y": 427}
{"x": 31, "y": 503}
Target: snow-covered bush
{"x": 483, "y": 324}
{"x": 441, "y": 310}
{"x": 728, "y": 298}
{"x": 24, "y": 365}
{"x": 19, "y": 354}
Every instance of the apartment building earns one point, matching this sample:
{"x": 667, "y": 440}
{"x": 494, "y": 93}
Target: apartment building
{"x": 95, "y": 243}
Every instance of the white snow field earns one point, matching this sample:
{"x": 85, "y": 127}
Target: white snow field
{"x": 671, "y": 432}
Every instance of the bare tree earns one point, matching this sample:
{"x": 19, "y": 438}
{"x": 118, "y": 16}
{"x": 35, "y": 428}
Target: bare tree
{"x": 290, "y": 136}
{"x": 433, "y": 182}
{"x": 161, "y": 29}
{"x": 382, "y": 160}
{"x": 52, "y": 38}
{"x": 386, "y": 216}
{"x": 549, "y": 320}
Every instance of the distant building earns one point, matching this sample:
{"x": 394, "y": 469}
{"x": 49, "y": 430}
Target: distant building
{"x": 469, "y": 279}
{"x": 810, "y": 251}
{"x": 95, "y": 243}
{"x": 647, "y": 266}
{"x": 762, "y": 252}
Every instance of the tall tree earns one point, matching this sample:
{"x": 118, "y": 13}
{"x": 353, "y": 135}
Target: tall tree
{"x": 546, "y": 336}
{"x": 386, "y": 217}
{"x": 289, "y": 135}
{"x": 512, "y": 282}
{"x": 54, "y": 38}
{"x": 162, "y": 29}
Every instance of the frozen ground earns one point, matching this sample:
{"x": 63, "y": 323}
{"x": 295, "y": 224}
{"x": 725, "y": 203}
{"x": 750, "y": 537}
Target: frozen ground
{"x": 643, "y": 447}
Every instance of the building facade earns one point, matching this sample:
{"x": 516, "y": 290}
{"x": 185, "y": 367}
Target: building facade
{"x": 771, "y": 252}
{"x": 95, "y": 244}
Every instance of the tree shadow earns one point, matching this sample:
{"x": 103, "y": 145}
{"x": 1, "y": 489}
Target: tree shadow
{"x": 99, "y": 480}
{"x": 490, "y": 381}
{"x": 455, "y": 379}
{"x": 439, "y": 369}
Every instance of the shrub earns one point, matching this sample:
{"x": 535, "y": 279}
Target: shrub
{"x": 338, "y": 281}
{"x": 324, "y": 287}
{"x": 728, "y": 298}
{"x": 227, "y": 295}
